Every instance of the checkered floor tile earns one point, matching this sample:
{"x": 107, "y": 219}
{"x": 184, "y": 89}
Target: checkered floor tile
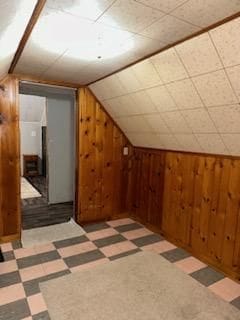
{"x": 24, "y": 269}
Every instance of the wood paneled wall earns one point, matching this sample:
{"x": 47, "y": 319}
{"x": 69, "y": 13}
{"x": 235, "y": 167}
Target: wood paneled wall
{"x": 194, "y": 200}
{"x": 104, "y": 173}
{"x": 9, "y": 162}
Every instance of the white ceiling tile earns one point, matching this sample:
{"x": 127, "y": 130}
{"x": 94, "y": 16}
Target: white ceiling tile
{"x": 163, "y": 5}
{"x": 184, "y": 94}
{"x": 129, "y": 80}
{"x": 169, "y": 141}
{"x": 226, "y": 118}
{"x": 98, "y": 88}
{"x": 156, "y": 123}
{"x": 134, "y": 124}
{"x": 113, "y": 87}
{"x": 212, "y": 143}
{"x": 199, "y": 121}
{"x": 203, "y": 13}
{"x": 111, "y": 107}
{"x": 227, "y": 41}
{"x": 169, "y": 29}
{"x": 161, "y": 98}
{"x": 90, "y": 9}
{"x": 169, "y": 66}
{"x": 176, "y": 122}
{"x": 123, "y": 106}
{"x": 144, "y": 46}
{"x": 146, "y": 73}
{"x": 28, "y": 69}
{"x": 35, "y": 55}
{"x": 130, "y": 15}
{"x": 66, "y": 64}
{"x": 199, "y": 55}
{"x": 234, "y": 76}
{"x": 15, "y": 16}
{"x": 132, "y": 104}
{"x": 150, "y": 140}
{"x": 232, "y": 142}
{"x": 215, "y": 89}
{"x": 188, "y": 142}
{"x": 143, "y": 102}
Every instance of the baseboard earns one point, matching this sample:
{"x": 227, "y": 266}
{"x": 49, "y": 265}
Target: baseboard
{"x": 10, "y": 238}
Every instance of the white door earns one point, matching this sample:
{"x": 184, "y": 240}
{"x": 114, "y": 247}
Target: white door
{"x": 61, "y": 149}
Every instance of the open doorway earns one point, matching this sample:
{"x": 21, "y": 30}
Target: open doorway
{"x": 47, "y": 134}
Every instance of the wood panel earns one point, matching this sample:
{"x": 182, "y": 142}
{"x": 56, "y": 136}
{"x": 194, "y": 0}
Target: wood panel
{"x": 104, "y": 172}
{"x": 9, "y": 161}
{"x": 194, "y": 200}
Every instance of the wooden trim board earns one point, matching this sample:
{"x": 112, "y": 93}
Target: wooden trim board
{"x": 33, "y": 20}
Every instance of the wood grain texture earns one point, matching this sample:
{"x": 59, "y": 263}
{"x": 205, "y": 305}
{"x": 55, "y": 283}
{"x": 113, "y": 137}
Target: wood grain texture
{"x": 194, "y": 200}
{"x": 10, "y": 161}
{"x": 104, "y": 172}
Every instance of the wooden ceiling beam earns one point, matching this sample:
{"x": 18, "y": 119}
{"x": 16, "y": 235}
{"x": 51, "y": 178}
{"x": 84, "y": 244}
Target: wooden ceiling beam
{"x": 215, "y": 25}
{"x": 33, "y": 20}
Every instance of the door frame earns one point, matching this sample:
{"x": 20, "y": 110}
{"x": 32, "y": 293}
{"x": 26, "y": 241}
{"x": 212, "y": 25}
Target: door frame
{"x": 77, "y": 141}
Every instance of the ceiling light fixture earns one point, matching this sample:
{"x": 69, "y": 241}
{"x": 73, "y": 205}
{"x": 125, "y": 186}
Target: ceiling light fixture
{"x": 80, "y": 38}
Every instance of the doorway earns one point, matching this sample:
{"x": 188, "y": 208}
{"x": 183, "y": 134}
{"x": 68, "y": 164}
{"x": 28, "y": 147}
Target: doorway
{"x": 47, "y": 136}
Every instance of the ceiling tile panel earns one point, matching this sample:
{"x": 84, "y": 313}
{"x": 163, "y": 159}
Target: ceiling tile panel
{"x": 114, "y": 87}
{"x": 215, "y": 89}
{"x": 143, "y": 102}
{"x": 90, "y": 9}
{"x": 163, "y": 5}
{"x": 146, "y": 74}
{"x": 161, "y": 98}
{"x": 129, "y": 80}
{"x": 227, "y": 41}
{"x": 185, "y": 94}
{"x": 199, "y": 121}
{"x": 232, "y": 142}
{"x": 169, "y": 29}
{"x": 169, "y": 66}
{"x": 194, "y": 107}
{"x": 176, "y": 122}
{"x": 234, "y": 76}
{"x": 15, "y": 16}
{"x": 121, "y": 106}
{"x": 150, "y": 140}
{"x": 133, "y": 123}
{"x": 212, "y": 143}
{"x": 188, "y": 142}
{"x": 206, "y": 12}
{"x": 169, "y": 141}
{"x": 130, "y": 15}
{"x": 226, "y": 118}
{"x": 156, "y": 123}
{"x": 106, "y": 35}
{"x": 199, "y": 55}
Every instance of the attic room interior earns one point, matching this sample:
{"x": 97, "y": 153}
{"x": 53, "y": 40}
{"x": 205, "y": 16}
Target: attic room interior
{"x": 119, "y": 159}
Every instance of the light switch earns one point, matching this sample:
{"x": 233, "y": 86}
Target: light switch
{"x": 33, "y": 133}
{"x": 125, "y": 151}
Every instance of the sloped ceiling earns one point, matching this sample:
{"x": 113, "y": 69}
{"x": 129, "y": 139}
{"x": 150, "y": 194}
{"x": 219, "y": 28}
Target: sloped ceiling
{"x": 82, "y": 40}
{"x": 186, "y": 98}
{"x": 15, "y": 15}
{"x": 32, "y": 108}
